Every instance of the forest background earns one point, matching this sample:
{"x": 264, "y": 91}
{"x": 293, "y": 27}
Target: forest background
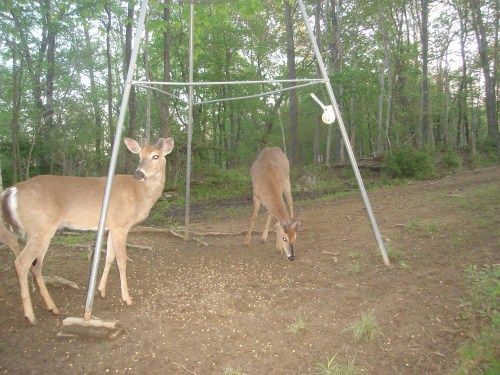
{"x": 416, "y": 81}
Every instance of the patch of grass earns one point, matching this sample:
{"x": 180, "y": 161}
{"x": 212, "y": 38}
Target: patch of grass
{"x": 74, "y": 239}
{"x": 404, "y": 266}
{"x": 228, "y": 370}
{"x": 3, "y": 267}
{"x": 482, "y": 307}
{"x": 427, "y": 228}
{"x": 353, "y": 269}
{"x": 299, "y": 323}
{"x": 365, "y": 328}
{"x": 392, "y": 253}
{"x": 334, "y": 367}
{"x": 355, "y": 255}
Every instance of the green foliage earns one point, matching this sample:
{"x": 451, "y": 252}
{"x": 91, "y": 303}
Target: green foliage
{"x": 409, "y": 162}
{"x": 483, "y": 295}
{"x": 212, "y": 183}
{"x": 365, "y": 328}
{"x": 299, "y": 323}
{"x": 482, "y": 307}
{"x": 228, "y": 370}
{"x": 451, "y": 160}
{"x": 334, "y": 367}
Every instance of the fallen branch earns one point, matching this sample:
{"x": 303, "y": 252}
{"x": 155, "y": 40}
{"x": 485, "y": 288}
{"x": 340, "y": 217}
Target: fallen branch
{"x": 57, "y": 280}
{"x": 177, "y": 234}
{"x": 183, "y": 367}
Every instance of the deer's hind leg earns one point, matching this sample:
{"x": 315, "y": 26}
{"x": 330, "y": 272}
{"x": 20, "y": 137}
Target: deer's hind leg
{"x": 9, "y": 239}
{"x": 31, "y": 258}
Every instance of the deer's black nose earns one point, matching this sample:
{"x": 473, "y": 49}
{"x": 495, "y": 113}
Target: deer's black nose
{"x": 291, "y": 257}
{"x": 139, "y": 175}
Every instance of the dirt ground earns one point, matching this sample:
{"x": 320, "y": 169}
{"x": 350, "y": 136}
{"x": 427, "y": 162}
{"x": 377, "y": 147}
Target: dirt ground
{"x": 201, "y": 309}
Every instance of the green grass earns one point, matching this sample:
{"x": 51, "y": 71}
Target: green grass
{"x": 228, "y": 370}
{"x": 334, "y": 367}
{"x": 482, "y": 307}
{"x": 354, "y": 269}
{"x": 427, "y": 228}
{"x": 365, "y": 328}
{"x": 404, "y": 265}
{"x": 299, "y": 323}
{"x": 74, "y": 239}
{"x": 392, "y": 253}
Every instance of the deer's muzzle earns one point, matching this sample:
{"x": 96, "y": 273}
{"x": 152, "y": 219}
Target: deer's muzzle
{"x": 139, "y": 175}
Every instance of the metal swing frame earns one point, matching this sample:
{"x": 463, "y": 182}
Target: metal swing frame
{"x": 121, "y": 120}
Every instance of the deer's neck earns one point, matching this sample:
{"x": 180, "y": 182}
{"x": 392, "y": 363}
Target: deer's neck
{"x": 277, "y": 208}
{"x": 152, "y": 187}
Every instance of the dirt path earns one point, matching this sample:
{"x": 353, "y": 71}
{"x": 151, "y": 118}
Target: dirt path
{"x": 200, "y": 309}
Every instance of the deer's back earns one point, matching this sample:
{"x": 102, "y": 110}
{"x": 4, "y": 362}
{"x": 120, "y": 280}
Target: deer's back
{"x": 75, "y": 202}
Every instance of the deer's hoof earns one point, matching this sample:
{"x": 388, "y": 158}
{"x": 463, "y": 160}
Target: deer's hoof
{"x": 55, "y": 311}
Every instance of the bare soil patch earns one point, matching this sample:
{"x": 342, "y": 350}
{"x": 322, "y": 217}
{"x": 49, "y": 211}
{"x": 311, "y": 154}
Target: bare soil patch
{"x": 199, "y": 309}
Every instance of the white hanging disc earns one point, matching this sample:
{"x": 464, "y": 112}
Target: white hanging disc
{"x": 328, "y": 116}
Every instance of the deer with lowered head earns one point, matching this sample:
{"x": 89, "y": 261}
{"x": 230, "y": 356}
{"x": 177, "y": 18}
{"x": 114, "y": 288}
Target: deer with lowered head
{"x": 270, "y": 182}
{"x": 38, "y": 207}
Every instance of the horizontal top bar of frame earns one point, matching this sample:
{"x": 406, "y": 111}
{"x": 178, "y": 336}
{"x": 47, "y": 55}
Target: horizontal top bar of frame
{"x": 228, "y": 82}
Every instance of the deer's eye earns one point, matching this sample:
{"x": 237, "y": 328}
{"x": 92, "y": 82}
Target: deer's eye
{"x": 156, "y": 157}
{"x": 285, "y": 239}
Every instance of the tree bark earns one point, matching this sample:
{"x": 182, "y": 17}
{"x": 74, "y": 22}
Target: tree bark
{"x": 132, "y": 103}
{"x": 95, "y": 101}
{"x": 489, "y": 79}
{"x": 317, "y": 132}
{"x": 109, "y": 78}
{"x": 291, "y": 72}
{"x": 425, "y": 130}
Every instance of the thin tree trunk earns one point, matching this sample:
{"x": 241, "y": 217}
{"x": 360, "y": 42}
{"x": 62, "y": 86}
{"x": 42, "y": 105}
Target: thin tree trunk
{"x": 291, "y": 73}
{"x": 489, "y": 79}
{"x": 95, "y": 100}
{"x": 109, "y": 78}
{"x": 165, "y": 107}
{"x": 425, "y": 130}
{"x": 16, "y": 108}
{"x": 317, "y": 132}
{"x": 132, "y": 103}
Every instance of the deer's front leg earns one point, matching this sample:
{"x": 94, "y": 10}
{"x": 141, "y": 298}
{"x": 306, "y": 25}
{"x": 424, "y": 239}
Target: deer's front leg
{"x": 110, "y": 258}
{"x": 119, "y": 238}
{"x": 255, "y": 212}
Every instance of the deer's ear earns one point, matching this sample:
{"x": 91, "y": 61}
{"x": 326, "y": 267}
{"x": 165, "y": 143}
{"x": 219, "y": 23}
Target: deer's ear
{"x": 132, "y": 145}
{"x": 168, "y": 146}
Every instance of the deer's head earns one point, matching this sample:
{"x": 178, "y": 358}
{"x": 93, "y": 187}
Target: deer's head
{"x": 286, "y": 235}
{"x": 152, "y": 158}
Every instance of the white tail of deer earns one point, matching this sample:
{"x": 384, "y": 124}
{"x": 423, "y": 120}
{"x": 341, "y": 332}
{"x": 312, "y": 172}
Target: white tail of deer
{"x": 270, "y": 181}
{"x": 38, "y": 207}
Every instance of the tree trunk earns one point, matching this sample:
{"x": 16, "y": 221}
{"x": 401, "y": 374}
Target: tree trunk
{"x": 291, "y": 72}
{"x": 132, "y": 103}
{"x": 16, "y": 108}
{"x": 165, "y": 107}
{"x": 317, "y": 132}
{"x": 109, "y": 78}
{"x": 489, "y": 80}
{"x": 335, "y": 67}
{"x": 95, "y": 101}
{"x": 425, "y": 136}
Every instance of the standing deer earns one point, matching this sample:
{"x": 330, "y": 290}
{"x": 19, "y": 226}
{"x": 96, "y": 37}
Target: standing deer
{"x": 270, "y": 181}
{"x": 38, "y": 207}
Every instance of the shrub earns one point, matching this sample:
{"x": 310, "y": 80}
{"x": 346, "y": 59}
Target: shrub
{"x": 451, "y": 160}
{"x": 409, "y": 162}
